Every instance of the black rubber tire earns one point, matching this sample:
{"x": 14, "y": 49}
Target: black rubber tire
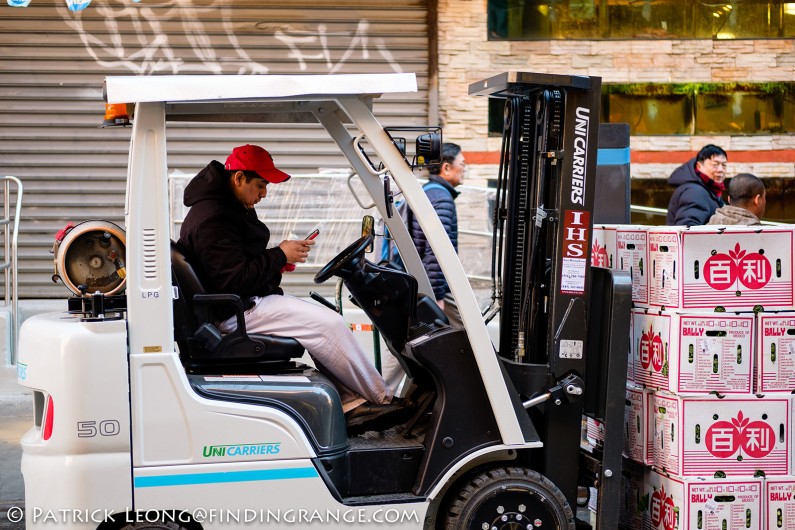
{"x": 509, "y": 498}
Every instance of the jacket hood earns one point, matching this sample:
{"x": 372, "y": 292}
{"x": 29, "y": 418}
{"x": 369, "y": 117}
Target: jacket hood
{"x": 684, "y": 173}
{"x": 733, "y": 215}
{"x": 210, "y": 183}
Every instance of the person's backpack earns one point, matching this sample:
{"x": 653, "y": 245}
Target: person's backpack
{"x": 389, "y": 251}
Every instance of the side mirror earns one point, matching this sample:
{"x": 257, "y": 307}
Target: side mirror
{"x": 388, "y": 198}
{"x": 400, "y": 143}
{"x": 368, "y": 229}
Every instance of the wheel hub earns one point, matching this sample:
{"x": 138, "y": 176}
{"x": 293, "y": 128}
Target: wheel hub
{"x": 514, "y": 509}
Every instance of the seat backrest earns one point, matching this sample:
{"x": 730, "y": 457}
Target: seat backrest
{"x": 236, "y": 352}
{"x": 186, "y": 281}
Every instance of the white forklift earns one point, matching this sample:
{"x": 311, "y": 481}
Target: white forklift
{"x": 145, "y": 416}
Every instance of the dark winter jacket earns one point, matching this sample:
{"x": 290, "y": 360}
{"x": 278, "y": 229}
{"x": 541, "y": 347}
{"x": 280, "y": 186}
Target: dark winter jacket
{"x": 692, "y": 202}
{"x": 225, "y": 242}
{"x": 442, "y": 198}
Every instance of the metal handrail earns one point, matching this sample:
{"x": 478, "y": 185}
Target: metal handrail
{"x": 9, "y": 264}
{"x": 648, "y": 209}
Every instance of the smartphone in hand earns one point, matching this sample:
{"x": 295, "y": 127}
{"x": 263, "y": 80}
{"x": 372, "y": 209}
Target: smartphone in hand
{"x": 290, "y": 267}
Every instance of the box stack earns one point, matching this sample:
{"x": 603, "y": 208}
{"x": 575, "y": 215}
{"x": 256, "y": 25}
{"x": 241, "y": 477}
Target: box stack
{"x": 709, "y": 408}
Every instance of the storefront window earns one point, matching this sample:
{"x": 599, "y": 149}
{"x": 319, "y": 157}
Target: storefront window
{"x": 648, "y": 109}
{"x": 639, "y": 19}
{"x": 701, "y": 108}
{"x": 691, "y": 108}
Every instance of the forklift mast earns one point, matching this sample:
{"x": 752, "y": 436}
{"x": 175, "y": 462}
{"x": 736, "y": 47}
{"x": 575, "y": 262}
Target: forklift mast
{"x": 543, "y": 214}
{"x": 542, "y": 270}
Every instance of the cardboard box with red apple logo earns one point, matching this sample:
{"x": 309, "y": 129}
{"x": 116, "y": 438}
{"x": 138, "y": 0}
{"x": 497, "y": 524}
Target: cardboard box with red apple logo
{"x": 702, "y": 436}
{"x": 693, "y": 353}
{"x": 638, "y": 427}
{"x": 632, "y": 255}
{"x": 603, "y": 246}
{"x": 633, "y": 506}
{"x": 775, "y": 354}
{"x": 779, "y": 503}
{"x": 733, "y": 269}
{"x": 594, "y": 432}
{"x": 638, "y": 444}
{"x": 677, "y": 503}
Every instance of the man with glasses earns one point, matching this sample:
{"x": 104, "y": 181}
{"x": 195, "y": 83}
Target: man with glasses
{"x": 443, "y": 178}
{"x": 442, "y": 181}
{"x": 699, "y": 185}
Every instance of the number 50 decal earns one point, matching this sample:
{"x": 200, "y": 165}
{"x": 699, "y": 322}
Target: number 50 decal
{"x": 89, "y": 429}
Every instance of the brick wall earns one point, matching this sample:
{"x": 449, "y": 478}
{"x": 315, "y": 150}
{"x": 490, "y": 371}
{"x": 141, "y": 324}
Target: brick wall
{"x": 466, "y": 56}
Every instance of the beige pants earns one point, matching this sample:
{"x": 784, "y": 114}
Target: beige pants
{"x": 326, "y": 337}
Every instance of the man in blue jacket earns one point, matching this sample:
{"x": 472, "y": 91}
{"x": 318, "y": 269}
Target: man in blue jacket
{"x": 444, "y": 178}
{"x": 699, "y": 185}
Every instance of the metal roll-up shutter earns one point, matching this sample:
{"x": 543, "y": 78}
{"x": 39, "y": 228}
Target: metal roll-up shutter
{"x": 54, "y": 61}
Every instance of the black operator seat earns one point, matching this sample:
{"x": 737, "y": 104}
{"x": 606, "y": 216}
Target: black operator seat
{"x": 203, "y": 348}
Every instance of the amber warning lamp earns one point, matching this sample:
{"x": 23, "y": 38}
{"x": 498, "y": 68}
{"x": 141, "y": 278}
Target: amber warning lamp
{"x": 116, "y": 115}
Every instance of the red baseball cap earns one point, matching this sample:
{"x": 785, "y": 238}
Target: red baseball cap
{"x": 254, "y": 158}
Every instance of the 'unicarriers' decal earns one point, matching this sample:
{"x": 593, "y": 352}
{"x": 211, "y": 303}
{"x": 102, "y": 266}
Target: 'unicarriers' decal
{"x": 579, "y": 171}
{"x": 211, "y": 451}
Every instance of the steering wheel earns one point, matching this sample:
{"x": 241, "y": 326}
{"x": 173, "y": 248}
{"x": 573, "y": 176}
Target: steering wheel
{"x": 343, "y": 259}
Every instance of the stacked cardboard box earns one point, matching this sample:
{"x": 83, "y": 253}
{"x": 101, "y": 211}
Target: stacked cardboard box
{"x": 779, "y": 502}
{"x": 603, "y": 249}
{"x": 709, "y": 407}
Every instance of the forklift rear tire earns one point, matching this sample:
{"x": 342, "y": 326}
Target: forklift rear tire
{"x": 507, "y": 498}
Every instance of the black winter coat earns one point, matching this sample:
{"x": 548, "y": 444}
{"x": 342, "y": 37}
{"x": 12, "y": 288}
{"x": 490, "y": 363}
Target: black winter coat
{"x": 225, "y": 242}
{"x": 692, "y": 203}
{"x": 442, "y": 198}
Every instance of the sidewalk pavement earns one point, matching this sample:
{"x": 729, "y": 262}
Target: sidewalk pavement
{"x": 16, "y": 417}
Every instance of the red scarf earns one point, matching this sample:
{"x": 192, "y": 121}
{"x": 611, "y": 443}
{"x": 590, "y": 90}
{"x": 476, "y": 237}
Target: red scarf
{"x": 716, "y": 187}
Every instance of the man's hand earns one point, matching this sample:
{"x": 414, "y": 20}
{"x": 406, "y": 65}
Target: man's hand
{"x": 296, "y": 251}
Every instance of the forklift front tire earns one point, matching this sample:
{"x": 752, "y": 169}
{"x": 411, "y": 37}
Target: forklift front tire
{"x": 509, "y": 497}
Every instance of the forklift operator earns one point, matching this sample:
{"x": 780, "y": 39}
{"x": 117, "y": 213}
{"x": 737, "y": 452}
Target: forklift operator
{"x": 228, "y": 247}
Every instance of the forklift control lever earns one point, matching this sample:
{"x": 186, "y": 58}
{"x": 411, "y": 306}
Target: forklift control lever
{"x": 319, "y": 298}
